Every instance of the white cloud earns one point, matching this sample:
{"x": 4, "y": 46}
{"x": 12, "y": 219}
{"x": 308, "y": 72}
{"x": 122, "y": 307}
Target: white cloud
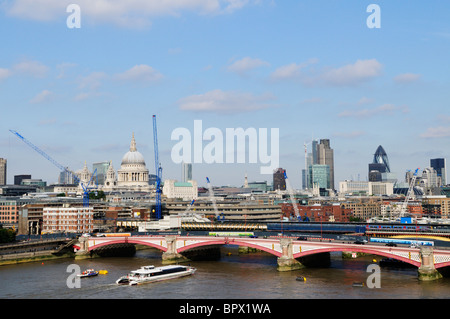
{"x": 33, "y": 68}
{"x": 407, "y": 78}
{"x": 86, "y": 95}
{"x": 225, "y": 102}
{"x": 364, "y": 113}
{"x": 437, "y": 132}
{"x": 246, "y": 64}
{"x": 347, "y": 75}
{"x": 127, "y": 13}
{"x": 353, "y": 134}
{"x": 291, "y": 71}
{"x": 314, "y": 100}
{"x": 364, "y": 100}
{"x": 140, "y": 73}
{"x": 350, "y": 74}
{"x": 62, "y": 68}
{"x": 92, "y": 81}
{"x": 44, "y": 96}
{"x": 4, "y": 73}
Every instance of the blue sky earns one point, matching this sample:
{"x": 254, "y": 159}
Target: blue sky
{"x": 313, "y": 69}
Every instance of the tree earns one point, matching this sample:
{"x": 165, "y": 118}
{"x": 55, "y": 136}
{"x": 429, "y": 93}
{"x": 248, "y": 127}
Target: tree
{"x": 7, "y": 235}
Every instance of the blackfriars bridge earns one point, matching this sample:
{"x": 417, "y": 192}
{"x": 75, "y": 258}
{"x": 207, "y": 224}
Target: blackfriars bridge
{"x": 428, "y": 260}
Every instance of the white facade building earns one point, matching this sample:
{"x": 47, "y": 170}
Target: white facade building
{"x": 370, "y": 188}
{"x": 186, "y": 191}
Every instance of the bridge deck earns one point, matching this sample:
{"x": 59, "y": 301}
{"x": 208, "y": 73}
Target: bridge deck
{"x": 274, "y": 246}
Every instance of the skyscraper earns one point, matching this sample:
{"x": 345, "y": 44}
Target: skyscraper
{"x": 322, "y": 155}
{"x": 186, "y": 173}
{"x": 380, "y": 161}
{"x": 320, "y": 176}
{"x": 102, "y": 169}
{"x": 379, "y": 165}
{"x": 65, "y": 177}
{"x": 278, "y": 179}
{"x": 2, "y": 171}
{"x": 325, "y": 156}
{"x": 439, "y": 165}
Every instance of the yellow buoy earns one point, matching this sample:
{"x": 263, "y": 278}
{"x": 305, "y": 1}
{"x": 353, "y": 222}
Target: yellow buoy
{"x": 102, "y": 272}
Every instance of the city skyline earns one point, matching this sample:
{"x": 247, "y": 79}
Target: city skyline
{"x": 313, "y": 71}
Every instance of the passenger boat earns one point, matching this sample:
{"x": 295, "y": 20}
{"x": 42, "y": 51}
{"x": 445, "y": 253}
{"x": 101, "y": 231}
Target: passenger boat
{"x": 148, "y": 274}
{"x": 88, "y": 273}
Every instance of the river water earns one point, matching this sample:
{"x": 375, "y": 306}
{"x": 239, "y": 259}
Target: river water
{"x": 234, "y": 276}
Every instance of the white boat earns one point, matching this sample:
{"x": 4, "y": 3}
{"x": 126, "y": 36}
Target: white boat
{"x": 88, "y": 273}
{"x": 151, "y": 274}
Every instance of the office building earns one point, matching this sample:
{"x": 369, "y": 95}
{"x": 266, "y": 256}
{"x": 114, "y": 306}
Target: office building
{"x": 279, "y": 182}
{"x": 183, "y": 190}
{"x": 321, "y": 154}
{"x": 67, "y": 219}
{"x": 186, "y": 173}
{"x": 366, "y": 188}
{"x": 18, "y": 179}
{"x": 320, "y": 176}
{"x": 379, "y": 169}
{"x": 429, "y": 178}
{"x": 65, "y": 177}
{"x": 102, "y": 169}
{"x": 325, "y": 156}
{"x": 3, "y": 171}
{"x": 380, "y": 163}
{"x": 439, "y": 164}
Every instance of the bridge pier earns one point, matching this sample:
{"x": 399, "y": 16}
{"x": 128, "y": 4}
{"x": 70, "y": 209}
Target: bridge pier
{"x": 83, "y": 252}
{"x": 287, "y": 262}
{"x": 171, "y": 256}
{"x": 427, "y": 271}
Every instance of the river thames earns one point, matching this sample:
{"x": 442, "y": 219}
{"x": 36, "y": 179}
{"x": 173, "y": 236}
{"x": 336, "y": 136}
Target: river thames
{"x": 235, "y": 276}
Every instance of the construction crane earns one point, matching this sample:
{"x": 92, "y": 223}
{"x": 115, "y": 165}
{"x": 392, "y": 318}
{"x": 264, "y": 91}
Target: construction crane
{"x": 86, "y": 188}
{"x": 291, "y": 196}
{"x": 404, "y": 206}
{"x": 158, "y": 171}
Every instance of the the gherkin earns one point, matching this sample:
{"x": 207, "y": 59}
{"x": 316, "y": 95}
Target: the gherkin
{"x": 380, "y": 161}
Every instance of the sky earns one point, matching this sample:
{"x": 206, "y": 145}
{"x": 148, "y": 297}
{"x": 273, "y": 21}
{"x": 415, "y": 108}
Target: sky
{"x": 310, "y": 69}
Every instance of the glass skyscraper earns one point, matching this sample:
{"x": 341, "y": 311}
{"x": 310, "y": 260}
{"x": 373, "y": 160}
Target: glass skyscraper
{"x": 379, "y": 166}
{"x": 439, "y": 165}
{"x": 321, "y": 155}
{"x": 186, "y": 173}
{"x": 320, "y": 175}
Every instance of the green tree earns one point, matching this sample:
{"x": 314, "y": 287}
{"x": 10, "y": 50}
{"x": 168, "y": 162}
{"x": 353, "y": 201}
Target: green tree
{"x": 7, "y": 235}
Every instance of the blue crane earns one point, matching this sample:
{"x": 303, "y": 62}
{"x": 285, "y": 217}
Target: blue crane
{"x": 86, "y": 188}
{"x": 158, "y": 171}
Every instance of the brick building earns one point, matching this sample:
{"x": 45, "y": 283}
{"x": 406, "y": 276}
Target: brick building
{"x": 318, "y": 212}
{"x": 67, "y": 219}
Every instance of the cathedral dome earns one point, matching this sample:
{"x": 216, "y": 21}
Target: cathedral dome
{"x": 132, "y": 173}
{"x": 133, "y": 156}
